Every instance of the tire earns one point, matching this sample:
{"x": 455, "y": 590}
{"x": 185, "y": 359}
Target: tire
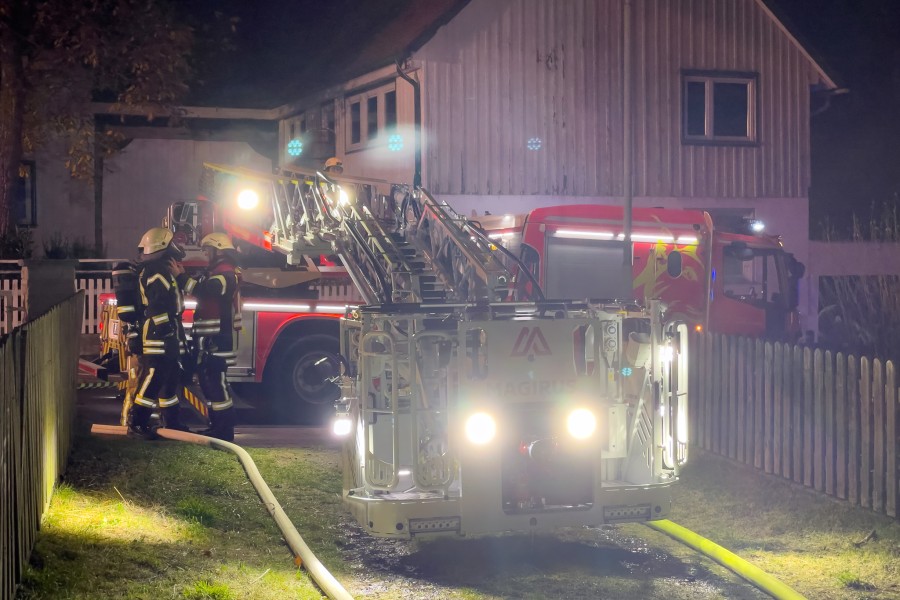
{"x": 299, "y": 379}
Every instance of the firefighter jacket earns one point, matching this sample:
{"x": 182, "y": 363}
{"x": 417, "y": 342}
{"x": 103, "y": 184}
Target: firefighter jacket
{"x": 218, "y": 313}
{"x": 163, "y": 305}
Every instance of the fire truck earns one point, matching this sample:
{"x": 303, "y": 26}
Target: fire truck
{"x": 736, "y": 281}
{"x": 465, "y": 409}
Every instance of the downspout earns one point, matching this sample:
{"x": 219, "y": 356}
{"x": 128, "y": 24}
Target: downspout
{"x": 417, "y": 124}
{"x": 627, "y": 152}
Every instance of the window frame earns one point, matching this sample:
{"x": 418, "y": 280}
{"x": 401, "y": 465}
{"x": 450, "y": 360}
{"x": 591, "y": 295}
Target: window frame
{"x": 383, "y": 130}
{"x": 709, "y": 79}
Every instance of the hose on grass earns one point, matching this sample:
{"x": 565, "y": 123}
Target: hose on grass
{"x": 317, "y": 571}
{"x": 728, "y": 559}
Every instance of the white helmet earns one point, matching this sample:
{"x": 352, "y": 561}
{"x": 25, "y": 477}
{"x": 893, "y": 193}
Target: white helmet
{"x": 217, "y": 240}
{"x": 155, "y": 240}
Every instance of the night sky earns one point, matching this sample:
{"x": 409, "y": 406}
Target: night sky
{"x": 282, "y": 47}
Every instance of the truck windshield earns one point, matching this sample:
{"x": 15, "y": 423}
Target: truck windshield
{"x": 755, "y": 275}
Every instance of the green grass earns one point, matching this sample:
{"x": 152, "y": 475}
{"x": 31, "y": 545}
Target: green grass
{"x": 809, "y": 541}
{"x": 164, "y": 519}
{"x": 140, "y": 520}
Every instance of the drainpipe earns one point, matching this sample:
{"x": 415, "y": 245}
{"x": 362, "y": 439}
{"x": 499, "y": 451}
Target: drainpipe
{"x": 627, "y": 152}
{"x": 417, "y": 120}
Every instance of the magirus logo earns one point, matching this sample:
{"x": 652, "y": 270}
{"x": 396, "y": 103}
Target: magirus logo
{"x": 531, "y": 342}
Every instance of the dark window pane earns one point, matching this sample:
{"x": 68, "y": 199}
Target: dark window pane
{"x": 390, "y": 109}
{"x": 355, "y": 137}
{"x": 372, "y": 117}
{"x": 730, "y": 109}
{"x": 303, "y": 125}
{"x": 695, "y": 108}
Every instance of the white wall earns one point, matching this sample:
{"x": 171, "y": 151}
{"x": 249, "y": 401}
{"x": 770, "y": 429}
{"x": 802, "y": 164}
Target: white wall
{"x": 140, "y": 182}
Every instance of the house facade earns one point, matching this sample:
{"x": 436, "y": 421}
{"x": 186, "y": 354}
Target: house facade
{"x": 527, "y": 103}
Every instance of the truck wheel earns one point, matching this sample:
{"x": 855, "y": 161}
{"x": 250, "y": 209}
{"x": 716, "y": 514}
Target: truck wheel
{"x": 301, "y": 379}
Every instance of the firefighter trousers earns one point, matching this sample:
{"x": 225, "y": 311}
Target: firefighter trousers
{"x": 217, "y": 393}
{"x": 159, "y": 380}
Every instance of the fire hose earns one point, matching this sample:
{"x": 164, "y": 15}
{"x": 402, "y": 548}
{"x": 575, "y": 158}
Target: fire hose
{"x": 726, "y": 558}
{"x": 317, "y": 571}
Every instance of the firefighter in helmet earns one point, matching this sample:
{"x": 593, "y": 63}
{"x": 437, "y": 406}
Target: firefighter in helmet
{"x": 160, "y": 282}
{"x": 217, "y": 321}
{"x": 334, "y": 166}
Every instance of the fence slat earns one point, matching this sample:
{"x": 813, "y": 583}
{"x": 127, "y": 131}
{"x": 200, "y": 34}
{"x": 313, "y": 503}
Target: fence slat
{"x": 797, "y": 416}
{"x": 758, "y": 398}
{"x": 841, "y": 426}
{"x": 890, "y": 421}
{"x": 865, "y": 437}
{"x": 854, "y": 388}
{"x": 808, "y": 402}
{"x": 829, "y": 424}
{"x": 787, "y": 395}
{"x": 878, "y": 436}
{"x": 733, "y": 423}
{"x": 777, "y": 399}
{"x": 742, "y": 398}
{"x": 819, "y": 426}
{"x": 707, "y": 391}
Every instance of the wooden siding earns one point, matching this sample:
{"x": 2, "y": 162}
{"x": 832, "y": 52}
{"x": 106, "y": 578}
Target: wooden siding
{"x": 503, "y": 72}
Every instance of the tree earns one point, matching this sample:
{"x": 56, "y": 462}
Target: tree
{"x": 56, "y": 56}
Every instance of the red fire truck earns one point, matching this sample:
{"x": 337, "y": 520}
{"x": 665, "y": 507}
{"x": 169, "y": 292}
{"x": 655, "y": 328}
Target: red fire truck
{"x": 291, "y": 319}
{"x": 733, "y": 282}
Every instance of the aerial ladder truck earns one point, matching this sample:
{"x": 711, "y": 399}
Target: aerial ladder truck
{"x": 463, "y": 410}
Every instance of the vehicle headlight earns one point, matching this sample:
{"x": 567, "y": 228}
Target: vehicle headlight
{"x": 248, "y": 199}
{"x": 582, "y": 423}
{"x": 343, "y": 198}
{"x": 342, "y": 426}
{"x": 481, "y": 428}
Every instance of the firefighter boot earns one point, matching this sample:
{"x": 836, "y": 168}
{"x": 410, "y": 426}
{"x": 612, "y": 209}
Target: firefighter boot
{"x": 221, "y": 425}
{"x": 171, "y": 418}
{"x": 139, "y": 423}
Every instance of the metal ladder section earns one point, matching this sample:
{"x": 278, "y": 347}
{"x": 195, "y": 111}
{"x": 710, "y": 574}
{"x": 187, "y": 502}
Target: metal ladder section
{"x": 398, "y": 247}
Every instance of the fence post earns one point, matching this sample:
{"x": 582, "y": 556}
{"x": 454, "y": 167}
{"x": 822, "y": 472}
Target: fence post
{"x": 854, "y": 388}
{"x": 742, "y": 359}
{"x": 878, "y": 445}
{"x": 865, "y": 438}
{"x": 890, "y": 421}
{"x": 797, "y": 417}
{"x": 829, "y": 423}
{"x": 808, "y": 401}
{"x": 731, "y": 394}
{"x": 758, "y": 401}
{"x": 786, "y": 394}
{"x": 842, "y": 421}
{"x": 777, "y": 402}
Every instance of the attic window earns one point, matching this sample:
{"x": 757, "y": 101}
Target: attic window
{"x": 369, "y": 114}
{"x": 719, "y": 107}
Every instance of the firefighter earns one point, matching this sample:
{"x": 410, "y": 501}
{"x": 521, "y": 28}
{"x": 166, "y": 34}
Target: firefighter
{"x": 217, "y": 321}
{"x": 334, "y": 166}
{"x": 130, "y": 313}
{"x": 161, "y": 280}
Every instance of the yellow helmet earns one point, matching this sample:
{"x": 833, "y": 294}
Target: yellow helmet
{"x": 334, "y": 163}
{"x": 155, "y": 240}
{"x": 217, "y": 240}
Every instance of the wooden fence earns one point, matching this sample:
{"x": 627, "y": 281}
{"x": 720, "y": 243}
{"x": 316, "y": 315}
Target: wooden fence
{"x": 93, "y": 276}
{"x": 38, "y": 364}
{"x": 825, "y": 420}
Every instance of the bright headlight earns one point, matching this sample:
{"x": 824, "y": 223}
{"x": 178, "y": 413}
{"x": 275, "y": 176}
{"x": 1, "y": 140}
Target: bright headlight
{"x": 481, "y": 428}
{"x": 248, "y": 199}
{"x": 343, "y": 198}
{"x": 342, "y": 426}
{"x": 582, "y": 423}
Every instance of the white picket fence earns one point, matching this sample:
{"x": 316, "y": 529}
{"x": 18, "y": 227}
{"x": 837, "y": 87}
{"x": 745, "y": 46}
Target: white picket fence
{"x": 93, "y": 282}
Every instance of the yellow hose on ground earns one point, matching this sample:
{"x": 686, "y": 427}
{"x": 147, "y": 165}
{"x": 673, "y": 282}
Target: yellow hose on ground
{"x": 727, "y": 559}
{"x": 323, "y": 578}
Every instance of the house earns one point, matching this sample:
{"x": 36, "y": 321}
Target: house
{"x": 524, "y": 103}
{"x": 506, "y": 105}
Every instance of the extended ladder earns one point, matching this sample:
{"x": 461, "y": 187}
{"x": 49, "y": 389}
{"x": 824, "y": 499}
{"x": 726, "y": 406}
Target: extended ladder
{"x": 399, "y": 245}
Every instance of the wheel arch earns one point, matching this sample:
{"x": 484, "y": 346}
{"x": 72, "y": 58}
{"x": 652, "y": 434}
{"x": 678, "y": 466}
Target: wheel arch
{"x": 293, "y": 331}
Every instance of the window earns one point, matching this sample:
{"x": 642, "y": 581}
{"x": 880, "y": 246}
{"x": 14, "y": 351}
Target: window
{"x": 370, "y": 115}
{"x": 355, "y": 124}
{"x": 24, "y": 200}
{"x": 719, "y": 107}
